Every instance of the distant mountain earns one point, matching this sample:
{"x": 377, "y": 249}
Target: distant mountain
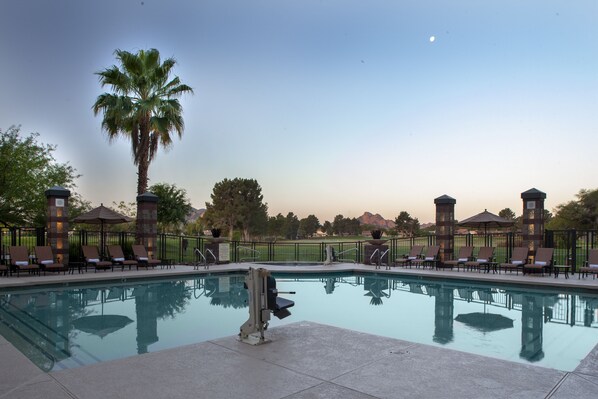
{"x": 194, "y": 214}
{"x": 376, "y": 220}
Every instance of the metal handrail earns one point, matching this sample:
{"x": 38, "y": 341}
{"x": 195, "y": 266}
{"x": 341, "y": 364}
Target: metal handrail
{"x": 372, "y": 256}
{"x": 252, "y": 250}
{"x": 205, "y": 261}
{"x": 339, "y": 259}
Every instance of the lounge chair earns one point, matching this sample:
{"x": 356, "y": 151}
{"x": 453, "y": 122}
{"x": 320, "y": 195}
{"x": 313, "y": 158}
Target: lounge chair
{"x": 46, "y": 262}
{"x": 143, "y": 259}
{"x": 429, "y": 259}
{"x": 465, "y": 254}
{"x": 518, "y": 259}
{"x": 19, "y": 260}
{"x": 484, "y": 259}
{"x": 414, "y": 253}
{"x": 591, "y": 265}
{"x": 542, "y": 261}
{"x": 92, "y": 258}
{"x": 118, "y": 257}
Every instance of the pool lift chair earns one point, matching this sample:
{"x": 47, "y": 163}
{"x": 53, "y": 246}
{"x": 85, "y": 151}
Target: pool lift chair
{"x": 263, "y": 300}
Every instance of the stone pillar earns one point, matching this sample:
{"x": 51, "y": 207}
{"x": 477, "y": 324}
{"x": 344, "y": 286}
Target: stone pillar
{"x": 532, "y": 229}
{"x": 147, "y": 222}
{"x": 58, "y": 222}
{"x": 445, "y": 226}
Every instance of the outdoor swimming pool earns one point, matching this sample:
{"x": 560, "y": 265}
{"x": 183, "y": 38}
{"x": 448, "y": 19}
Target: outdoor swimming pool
{"x": 70, "y": 326}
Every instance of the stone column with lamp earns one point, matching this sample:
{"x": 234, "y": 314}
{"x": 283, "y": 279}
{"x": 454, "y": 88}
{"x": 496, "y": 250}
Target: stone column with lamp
{"x": 445, "y": 226}
{"x": 58, "y": 222}
{"x": 532, "y": 228}
{"x": 147, "y": 222}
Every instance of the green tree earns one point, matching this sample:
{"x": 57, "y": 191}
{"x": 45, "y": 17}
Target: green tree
{"x": 406, "y": 225}
{"x": 173, "y": 206}
{"x": 143, "y": 106}
{"x": 291, "y": 226}
{"x": 507, "y": 213}
{"x": 309, "y": 225}
{"x": 27, "y": 170}
{"x": 327, "y": 228}
{"x": 581, "y": 214}
{"x": 237, "y": 203}
{"x": 276, "y": 225}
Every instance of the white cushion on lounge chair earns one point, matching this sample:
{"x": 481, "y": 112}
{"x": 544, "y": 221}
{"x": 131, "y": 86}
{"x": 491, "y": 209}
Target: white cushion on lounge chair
{"x": 541, "y": 263}
{"x": 517, "y": 262}
{"x": 594, "y": 266}
{"x": 93, "y": 260}
{"x": 47, "y": 262}
{"x": 142, "y": 258}
{"x": 462, "y": 260}
{"x": 482, "y": 260}
{"x": 410, "y": 258}
{"x": 21, "y": 263}
{"x": 119, "y": 259}
{"x": 429, "y": 258}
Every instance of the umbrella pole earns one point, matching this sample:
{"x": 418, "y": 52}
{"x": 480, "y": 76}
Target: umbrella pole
{"x": 102, "y": 239}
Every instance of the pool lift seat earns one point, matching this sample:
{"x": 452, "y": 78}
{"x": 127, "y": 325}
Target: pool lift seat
{"x": 263, "y": 300}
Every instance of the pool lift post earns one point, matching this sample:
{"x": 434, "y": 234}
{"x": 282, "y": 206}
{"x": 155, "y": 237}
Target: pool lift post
{"x": 263, "y": 300}
{"x": 330, "y": 255}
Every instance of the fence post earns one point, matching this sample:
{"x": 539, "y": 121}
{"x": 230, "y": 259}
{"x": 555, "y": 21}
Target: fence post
{"x": 573, "y": 249}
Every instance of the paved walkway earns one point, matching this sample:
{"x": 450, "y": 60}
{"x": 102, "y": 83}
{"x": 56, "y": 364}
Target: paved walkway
{"x": 304, "y": 360}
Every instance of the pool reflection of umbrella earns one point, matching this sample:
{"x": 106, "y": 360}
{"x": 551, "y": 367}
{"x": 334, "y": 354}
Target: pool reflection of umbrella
{"x": 485, "y": 322}
{"x": 101, "y": 325}
{"x": 102, "y": 215}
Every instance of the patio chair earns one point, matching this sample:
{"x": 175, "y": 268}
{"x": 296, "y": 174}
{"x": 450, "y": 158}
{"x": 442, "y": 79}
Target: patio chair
{"x": 465, "y": 254}
{"x": 118, "y": 257}
{"x": 19, "y": 260}
{"x": 46, "y": 261}
{"x": 414, "y": 253}
{"x": 591, "y": 265}
{"x": 518, "y": 259}
{"x": 143, "y": 258}
{"x": 92, "y": 258}
{"x": 484, "y": 258}
{"x": 542, "y": 261}
{"x": 429, "y": 259}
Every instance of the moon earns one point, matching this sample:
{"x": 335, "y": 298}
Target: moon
{"x": 432, "y": 39}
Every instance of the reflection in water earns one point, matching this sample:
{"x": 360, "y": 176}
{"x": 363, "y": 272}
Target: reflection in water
{"x": 532, "y": 321}
{"x": 443, "y": 315}
{"x": 146, "y": 310}
{"x": 58, "y": 340}
{"x": 375, "y": 288}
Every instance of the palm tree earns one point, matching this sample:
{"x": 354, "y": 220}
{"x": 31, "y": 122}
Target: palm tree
{"x": 143, "y": 106}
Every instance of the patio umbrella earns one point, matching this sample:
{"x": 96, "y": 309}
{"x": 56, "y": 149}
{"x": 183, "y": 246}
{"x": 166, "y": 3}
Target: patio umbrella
{"x": 102, "y": 215}
{"x": 101, "y": 325}
{"x": 485, "y": 322}
{"x": 485, "y": 220}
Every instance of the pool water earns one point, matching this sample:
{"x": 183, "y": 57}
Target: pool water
{"x": 71, "y": 326}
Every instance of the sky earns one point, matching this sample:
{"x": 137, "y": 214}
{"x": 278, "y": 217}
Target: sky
{"x": 333, "y": 106}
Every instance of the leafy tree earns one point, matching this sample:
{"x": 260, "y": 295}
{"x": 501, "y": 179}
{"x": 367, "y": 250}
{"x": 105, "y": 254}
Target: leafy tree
{"x": 143, "y": 106}
{"x": 507, "y": 213}
{"x": 579, "y": 214}
{"x": 27, "y": 170}
{"x": 327, "y": 228}
{"x": 291, "y": 226}
{"x": 276, "y": 225}
{"x": 237, "y": 203}
{"x": 406, "y": 225}
{"x": 309, "y": 225}
{"x": 173, "y": 206}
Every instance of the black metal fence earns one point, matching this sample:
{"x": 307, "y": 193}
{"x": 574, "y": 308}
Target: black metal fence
{"x": 571, "y": 246}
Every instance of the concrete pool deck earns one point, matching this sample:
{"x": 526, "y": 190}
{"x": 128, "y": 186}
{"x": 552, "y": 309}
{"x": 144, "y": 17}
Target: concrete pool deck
{"x": 304, "y": 359}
